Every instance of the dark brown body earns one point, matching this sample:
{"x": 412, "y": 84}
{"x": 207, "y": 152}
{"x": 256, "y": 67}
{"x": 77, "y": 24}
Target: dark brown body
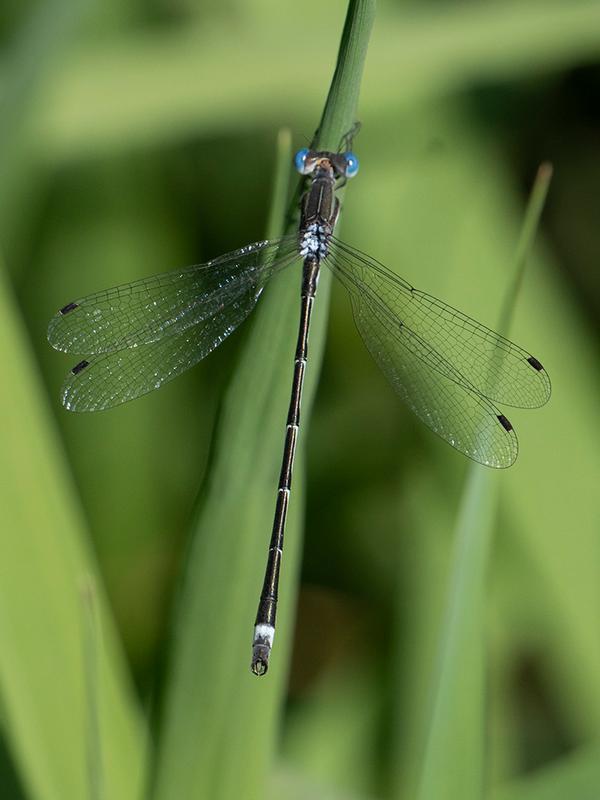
{"x": 319, "y": 213}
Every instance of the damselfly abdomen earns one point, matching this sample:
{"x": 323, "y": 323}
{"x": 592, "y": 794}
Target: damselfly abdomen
{"x": 449, "y": 369}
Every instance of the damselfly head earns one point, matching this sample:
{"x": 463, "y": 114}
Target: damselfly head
{"x": 308, "y": 161}
{"x": 339, "y": 164}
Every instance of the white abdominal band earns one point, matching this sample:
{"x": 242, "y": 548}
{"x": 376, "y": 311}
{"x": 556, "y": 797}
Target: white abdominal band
{"x": 265, "y": 634}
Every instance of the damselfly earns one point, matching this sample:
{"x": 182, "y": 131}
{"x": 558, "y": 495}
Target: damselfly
{"x": 449, "y": 369}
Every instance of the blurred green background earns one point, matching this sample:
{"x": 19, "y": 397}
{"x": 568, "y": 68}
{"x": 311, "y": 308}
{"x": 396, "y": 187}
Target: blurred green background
{"x": 139, "y": 137}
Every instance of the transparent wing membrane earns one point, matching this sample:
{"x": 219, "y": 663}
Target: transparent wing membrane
{"x": 467, "y": 421}
{"x": 482, "y": 360}
{"x": 141, "y": 335}
{"x": 447, "y": 368}
{"x": 110, "y": 379}
{"x": 144, "y": 311}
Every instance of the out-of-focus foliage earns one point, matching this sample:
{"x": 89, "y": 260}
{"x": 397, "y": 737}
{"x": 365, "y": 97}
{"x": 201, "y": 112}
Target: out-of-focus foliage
{"x": 138, "y": 137}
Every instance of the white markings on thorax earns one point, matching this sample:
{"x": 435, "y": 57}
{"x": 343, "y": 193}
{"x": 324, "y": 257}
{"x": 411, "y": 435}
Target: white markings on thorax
{"x": 315, "y": 240}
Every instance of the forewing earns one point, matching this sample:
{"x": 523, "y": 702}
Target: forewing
{"x": 149, "y": 309}
{"x": 110, "y": 379}
{"x": 483, "y": 360}
{"x": 467, "y": 421}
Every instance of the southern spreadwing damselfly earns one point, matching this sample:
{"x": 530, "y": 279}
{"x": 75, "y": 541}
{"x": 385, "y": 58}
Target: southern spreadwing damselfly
{"x": 449, "y": 369}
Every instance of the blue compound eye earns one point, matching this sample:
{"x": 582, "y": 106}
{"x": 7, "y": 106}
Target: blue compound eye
{"x": 300, "y": 160}
{"x": 351, "y": 165}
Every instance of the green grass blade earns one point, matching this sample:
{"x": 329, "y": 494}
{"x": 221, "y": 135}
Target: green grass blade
{"x": 42, "y": 551}
{"x": 531, "y": 222}
{"x": 219, "y": 723}
{"x": 453, "y": 765}
{"x": 91, "y": 656}
{"x": 44, "y": 556}
{"x": 339, "y": 113}
{"x": 209, "y": 684}
{"x": 454, "y": 759}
